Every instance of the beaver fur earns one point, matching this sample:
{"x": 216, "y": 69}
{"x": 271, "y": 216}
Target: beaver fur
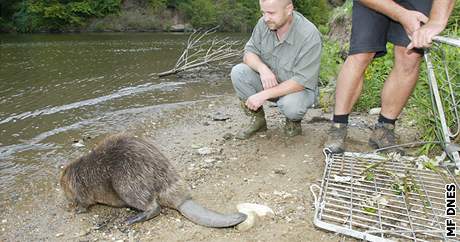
{"x": 127, "y": 171}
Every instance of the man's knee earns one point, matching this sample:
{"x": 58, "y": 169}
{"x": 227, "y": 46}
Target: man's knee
{"x": 240, "y": 72}
{"x": 295, "y": 113}
{"x": 294, "y": 108}
{"x": 361, "y": 59}
{"x": 406, "y": 61}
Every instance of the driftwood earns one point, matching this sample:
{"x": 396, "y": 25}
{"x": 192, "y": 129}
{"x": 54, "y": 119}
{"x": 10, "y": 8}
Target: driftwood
{"x": 199, "y": 52}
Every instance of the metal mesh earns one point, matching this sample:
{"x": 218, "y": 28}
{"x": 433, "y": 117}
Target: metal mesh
{"x": 444, "y": 76}
{"x": 376, "y": 207}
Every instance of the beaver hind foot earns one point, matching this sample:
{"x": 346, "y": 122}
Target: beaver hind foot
{"x": 144, "y": 216}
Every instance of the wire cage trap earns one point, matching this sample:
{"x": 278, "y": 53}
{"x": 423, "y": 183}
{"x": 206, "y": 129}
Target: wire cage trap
{"x": 379, "y": 198}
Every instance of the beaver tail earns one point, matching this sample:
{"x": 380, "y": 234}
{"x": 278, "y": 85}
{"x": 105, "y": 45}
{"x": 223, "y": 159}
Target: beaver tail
{"x": 203, "y": 216}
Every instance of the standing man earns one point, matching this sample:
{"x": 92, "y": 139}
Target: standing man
{"x": 405, "y": 24}
{"x": 281, "y": 64}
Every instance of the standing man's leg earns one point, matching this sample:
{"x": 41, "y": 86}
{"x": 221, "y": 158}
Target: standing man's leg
{"x": 395, "y": 94}
{"x": 347, "y": 91}
{"x": 401, "y": 81}
{"x": 368, "y": 40}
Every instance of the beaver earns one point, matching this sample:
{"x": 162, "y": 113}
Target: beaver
{"x": 127, "y": 171}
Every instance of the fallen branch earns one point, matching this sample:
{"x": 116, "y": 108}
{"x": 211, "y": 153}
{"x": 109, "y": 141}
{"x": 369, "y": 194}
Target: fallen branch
{"x": 198, "y": 52}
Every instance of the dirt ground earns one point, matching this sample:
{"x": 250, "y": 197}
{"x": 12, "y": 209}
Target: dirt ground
{"x": 267, "y": 169}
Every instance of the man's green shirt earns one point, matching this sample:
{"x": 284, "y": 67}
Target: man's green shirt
{"x": 296, "y": 58}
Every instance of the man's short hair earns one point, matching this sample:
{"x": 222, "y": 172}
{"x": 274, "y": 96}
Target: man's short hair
{"x": 285, "y": 2}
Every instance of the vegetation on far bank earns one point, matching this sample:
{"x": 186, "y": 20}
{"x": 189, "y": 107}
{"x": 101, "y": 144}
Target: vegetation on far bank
{"x": 155, "y": 15}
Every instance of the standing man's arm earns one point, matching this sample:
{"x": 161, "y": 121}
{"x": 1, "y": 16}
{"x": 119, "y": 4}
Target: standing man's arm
{"x": 439, "y": 16}
{"x": 412, "y": 20}
{"x": 409, "y": 19}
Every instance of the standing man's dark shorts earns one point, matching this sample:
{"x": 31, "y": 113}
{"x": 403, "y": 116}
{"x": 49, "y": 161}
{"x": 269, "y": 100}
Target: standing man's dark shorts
{"x": 372, "y": 30}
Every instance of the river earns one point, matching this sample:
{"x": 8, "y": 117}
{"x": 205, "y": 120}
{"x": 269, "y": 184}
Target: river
{"x": 57, "y": 89}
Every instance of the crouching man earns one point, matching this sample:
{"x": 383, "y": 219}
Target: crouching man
{"x": 281, "y": 64}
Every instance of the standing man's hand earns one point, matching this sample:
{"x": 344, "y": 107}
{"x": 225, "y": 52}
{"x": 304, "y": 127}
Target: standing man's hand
{"x": 423, "y": 37}
{"x": 268, "y": 78}
{"x": 255, "y": 101}
{"x": 412, "y": 21}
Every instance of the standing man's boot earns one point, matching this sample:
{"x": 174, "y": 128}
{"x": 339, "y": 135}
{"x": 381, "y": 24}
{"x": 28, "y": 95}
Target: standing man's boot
{"x": 383, "y": 135}
{"x": 336, "y": 138}
{"x": 257, "y": 122}
{"x": 292, "y": 128}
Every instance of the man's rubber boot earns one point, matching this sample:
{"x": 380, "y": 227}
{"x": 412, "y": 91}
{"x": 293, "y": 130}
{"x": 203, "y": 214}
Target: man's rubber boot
{"x": 337, "y": 134}
{"x": 383, "y": 135}
{"x": 292, "y": 128}
{"x": 257, "y": 122}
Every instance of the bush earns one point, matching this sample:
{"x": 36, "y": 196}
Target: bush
{"x": 317, "y": 11}
{"x": 330, "y": 63}
{"x": 235, "y": 16}
{"x": 202, "y": 13}
{"x": 58, "y": 15}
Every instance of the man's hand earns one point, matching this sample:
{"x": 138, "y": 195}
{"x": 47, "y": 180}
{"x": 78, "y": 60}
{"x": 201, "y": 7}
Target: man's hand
{"x": 423, "y": 37}
{"x": 255, "y": 101}
{"x": 412, "y": 21}
{"x": 268, "y": 78}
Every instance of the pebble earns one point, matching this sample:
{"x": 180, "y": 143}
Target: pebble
{"x": 258, "y": 209}
{"x": 228, "y": 136}
{"x": 78, "y": 145}
{"x": 374, "y": 111}
{"x": 4, "y": 221}
{"x": 210, "y": 160}
{"x": 279, "y": 171}
{"x": 218, "y": 116}
{"x": 59, "y": 234}
{"x": 204, "y": 151}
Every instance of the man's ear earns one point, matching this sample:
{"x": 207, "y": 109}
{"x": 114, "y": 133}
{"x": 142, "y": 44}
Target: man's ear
{"x": 290, "y": 8}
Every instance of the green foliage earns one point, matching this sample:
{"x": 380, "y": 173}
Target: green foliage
{"x": 330, "y": 63}
{"x": 158, "y": 5}
{"x": 104, "y": 7}
{"x": 230, "y": 15}
{"x": 234, "y": 16}
{"x": 25, "y": 19}
{"x": 33, "y": 15}
{"x": 317, "y": 11}
{"x": 202, "y": 13}
{"x": 454, "y": 21}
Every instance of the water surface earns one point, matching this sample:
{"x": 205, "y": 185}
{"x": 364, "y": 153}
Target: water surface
{"x": 58, "y": 88}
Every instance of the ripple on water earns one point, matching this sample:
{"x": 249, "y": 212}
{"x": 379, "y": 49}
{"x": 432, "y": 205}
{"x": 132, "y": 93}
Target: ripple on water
{"x": 89, "y": 102}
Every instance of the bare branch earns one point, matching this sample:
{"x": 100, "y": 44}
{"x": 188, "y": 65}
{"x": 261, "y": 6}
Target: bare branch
{"x": 198, "y": 51}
